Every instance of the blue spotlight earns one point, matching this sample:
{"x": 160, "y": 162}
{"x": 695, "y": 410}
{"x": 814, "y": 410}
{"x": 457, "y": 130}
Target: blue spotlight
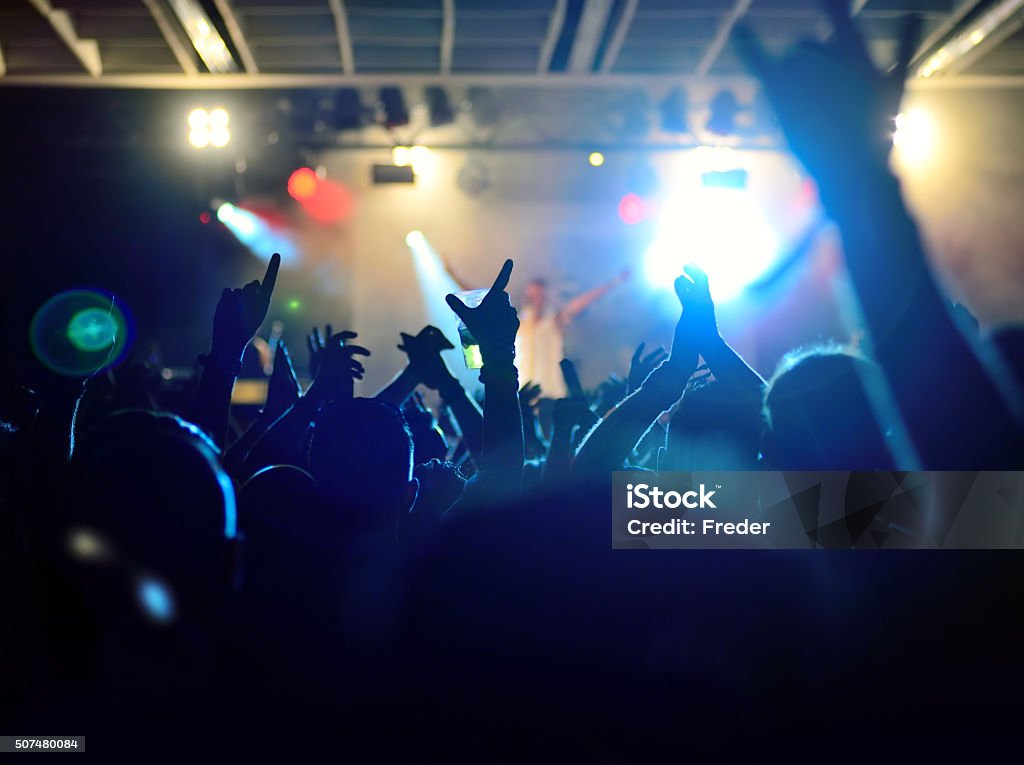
{"x": 435, "y": 282}
{"x": 255, "y": 233}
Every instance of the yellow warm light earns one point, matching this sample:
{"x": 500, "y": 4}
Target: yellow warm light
{"x": 596, "y": 158}
{"x": 915, "y": 137}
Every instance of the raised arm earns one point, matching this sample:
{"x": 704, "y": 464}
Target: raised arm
{"x": 836, "y": 110}
{"x": 607, "y": 446}
{"x": 580, "y": 303}
{"x": 238, "y": 317}
{"x": 728, "y": 367}
{"x": 427, "y": 366}
{"x": 494, "y": 324}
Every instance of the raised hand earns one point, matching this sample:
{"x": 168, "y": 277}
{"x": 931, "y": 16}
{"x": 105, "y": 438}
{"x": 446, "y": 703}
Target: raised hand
{"x": 833, "y": 105}
{"x": 240, "y": 313}
{"x": 494, "y": 322}
{"x": 641, "y": 366}
{"x": 424, "y": 352}
{"x": 339, "y": 368}
{"x": 283, "y": 389}
{"x": 529, "y": 394}
{"x": 315, "y": 342}
{"x": 694, "y": 295}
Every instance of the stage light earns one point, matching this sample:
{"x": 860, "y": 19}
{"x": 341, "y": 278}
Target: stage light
{"x": 294, "y": 305}
{"x": 393, "y": 108}
{"x": 915, "y": 136}
{"x": 719, "y": 229}
{"x": 208, "y": 128}
{"x": 302, "y": 183}
{"x": 262, "y": 238}
{"x": 673, "y": 112}
{"x": 348, "y": 110}
{"x": 435, "y": 282}
{"x": 596, "y": 159}
{"x": 419, "y": 158}
{"x": 724, "y": 109}
{"x": 632, "y": 209}
{"x": 440, "y": 109}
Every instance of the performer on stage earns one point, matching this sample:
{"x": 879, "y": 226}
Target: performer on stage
{"x": 540, "y": 344}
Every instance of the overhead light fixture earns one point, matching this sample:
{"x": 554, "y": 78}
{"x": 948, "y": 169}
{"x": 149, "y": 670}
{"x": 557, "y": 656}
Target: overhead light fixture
{"x": 348, "y": 109}
{"x": 208, "y": 128}
{"x": 673, "y": 112}
{"x": 439, "y": 107}
{"x": 724, "y": 109}
{"x": 483, "y": 106}
{"x": 204, "y": 36}
{"x": 393, "y": 109}
{"x": 975, "y": 34}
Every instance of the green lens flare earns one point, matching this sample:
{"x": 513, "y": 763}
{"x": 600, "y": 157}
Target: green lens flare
{"x": 92, "y": 329}
{"x": 79, "y": 332}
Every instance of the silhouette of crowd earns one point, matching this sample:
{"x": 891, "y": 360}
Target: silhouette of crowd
{"x": 381, "y": 576}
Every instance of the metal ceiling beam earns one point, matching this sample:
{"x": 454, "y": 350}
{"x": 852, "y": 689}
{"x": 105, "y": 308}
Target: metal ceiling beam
{"x": 86, "y": 51}
{"x": 227, "y": 13}
{"x": 588, "y": 35}
{"x": 1002, "y": 28}
{"x": 228, "y": 82}
{"x": 956, "y": 17}
{"x": 718, "y": 44}
{"x": 547, "y": 48}
{"x": 163, "y": 23}
{"x": 340, "y": 13}
{"x": 619, "y": 36}
{"x": 447, "y": 34}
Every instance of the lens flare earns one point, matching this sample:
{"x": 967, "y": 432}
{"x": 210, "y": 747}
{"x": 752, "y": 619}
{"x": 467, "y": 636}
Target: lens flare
{"x": 79, "y": 332}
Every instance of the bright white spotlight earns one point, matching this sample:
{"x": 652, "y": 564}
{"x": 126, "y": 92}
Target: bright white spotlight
{"x": 722, "y": 230}
{"x": 400, "y": 156}
{"x": 915, "y": 136}
{"x": 219, "y": 137}
{"x": 218, "y": 118}
{"x": 199, "y": 138}
{"x": 415, "y": 239}
{"x": 198, "y": 119}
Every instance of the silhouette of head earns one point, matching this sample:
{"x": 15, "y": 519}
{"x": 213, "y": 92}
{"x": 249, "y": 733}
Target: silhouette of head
{"x": 820, "y": 416}
{"x": 146, "y": 496}
{"x": 361, "y": 457}
{"x": 536, "y": 294}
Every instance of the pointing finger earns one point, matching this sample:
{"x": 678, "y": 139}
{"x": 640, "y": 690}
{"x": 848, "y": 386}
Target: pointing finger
{"x": 270, "y": 278}
{"x": 503, "y": 276}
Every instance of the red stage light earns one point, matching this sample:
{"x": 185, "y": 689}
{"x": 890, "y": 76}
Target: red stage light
{"x": 302, "y": 183}
{"x": 631, "y": 209}
{"x": 204, "y": 216}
